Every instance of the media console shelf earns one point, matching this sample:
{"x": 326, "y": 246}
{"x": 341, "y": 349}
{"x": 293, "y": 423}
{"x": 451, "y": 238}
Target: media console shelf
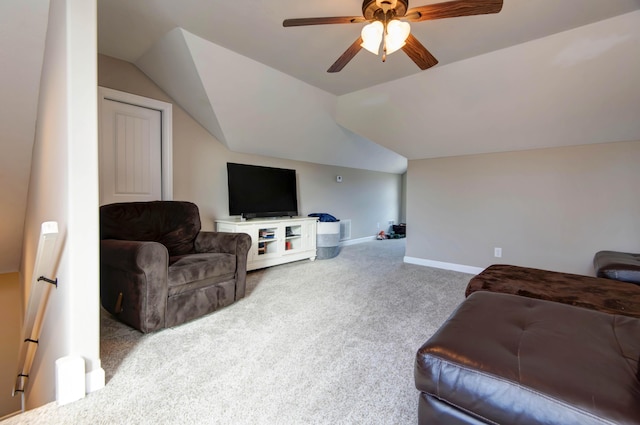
{"x": 275, "y": 241}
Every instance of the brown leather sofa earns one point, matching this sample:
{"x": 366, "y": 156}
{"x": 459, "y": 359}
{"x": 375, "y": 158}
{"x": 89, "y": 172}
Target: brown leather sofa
{"x": 508, "y": 359}
{"x": 157, "y": 269}
{"x": 623, "y": 266}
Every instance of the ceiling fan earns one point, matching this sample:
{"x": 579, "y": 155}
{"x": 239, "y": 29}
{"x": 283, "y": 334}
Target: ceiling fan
{"x": 387, "y": 32}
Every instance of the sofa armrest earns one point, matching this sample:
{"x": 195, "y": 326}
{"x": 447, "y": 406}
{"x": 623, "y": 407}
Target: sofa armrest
{"x": 622, "y": 266}
{"x": 133, "y": 282}
{"x": 230, "y": 243}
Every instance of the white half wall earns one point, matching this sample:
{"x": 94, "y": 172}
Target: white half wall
{"x": 64, "y": 188}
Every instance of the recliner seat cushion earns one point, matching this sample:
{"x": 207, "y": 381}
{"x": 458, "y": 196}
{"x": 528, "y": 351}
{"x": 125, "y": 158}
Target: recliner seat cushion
{"x": 186, "y": 306}
{"x": 189, "y": 272}
{"x": 516, "y": 360}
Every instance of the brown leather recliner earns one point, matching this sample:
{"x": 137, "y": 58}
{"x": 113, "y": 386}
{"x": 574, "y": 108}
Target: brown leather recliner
{"x": 157, "y": 269}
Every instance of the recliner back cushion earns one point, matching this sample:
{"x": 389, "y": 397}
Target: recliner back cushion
{"x": 175, "y": 224}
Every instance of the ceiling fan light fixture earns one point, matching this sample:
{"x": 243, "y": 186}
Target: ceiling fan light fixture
{"x": 396, "y": 37}
{"x": 372, "y": 36}
{"x": 385, "y": 28}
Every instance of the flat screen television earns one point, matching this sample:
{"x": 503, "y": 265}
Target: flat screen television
{"x": 256, "y": 191}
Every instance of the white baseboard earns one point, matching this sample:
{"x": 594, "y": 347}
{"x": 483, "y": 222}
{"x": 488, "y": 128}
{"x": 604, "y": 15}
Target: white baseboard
{"x": 70, "y": 379}
{"x": 356, "y": 241}
{"x": 94, "y": 380}
{"x": 442, "y": 265}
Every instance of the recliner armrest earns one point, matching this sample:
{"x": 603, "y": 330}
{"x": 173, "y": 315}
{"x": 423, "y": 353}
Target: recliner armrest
{"x": 223, "y": 242}
{"x": 133, "y": 255}
{"x": 136, "y": 273}
{"x": 230, "y": 243}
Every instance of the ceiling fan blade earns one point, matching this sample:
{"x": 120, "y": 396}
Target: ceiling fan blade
{"x": 346, "y": 56}
{"x": 322, "y": 21}
{"x": 453, "y": 9}
{"x": 418, "y": 53}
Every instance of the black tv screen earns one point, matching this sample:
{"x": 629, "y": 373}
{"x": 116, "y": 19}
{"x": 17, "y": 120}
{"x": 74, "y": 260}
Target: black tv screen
{"x": 256, "y": 191}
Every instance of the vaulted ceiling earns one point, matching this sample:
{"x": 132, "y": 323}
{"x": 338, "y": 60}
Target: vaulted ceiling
{"x": 538, "y": 74}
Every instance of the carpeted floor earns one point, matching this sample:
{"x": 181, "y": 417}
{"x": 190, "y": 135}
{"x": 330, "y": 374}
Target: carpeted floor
{"x": 325, "y": 342}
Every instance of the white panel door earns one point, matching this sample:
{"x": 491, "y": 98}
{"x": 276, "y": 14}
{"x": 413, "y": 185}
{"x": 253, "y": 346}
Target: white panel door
{"x": 130, "y": 153}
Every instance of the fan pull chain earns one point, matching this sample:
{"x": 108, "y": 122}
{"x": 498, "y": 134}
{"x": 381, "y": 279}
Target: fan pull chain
{"x": 384, "y": 45}
{"x": 384, "y": 38}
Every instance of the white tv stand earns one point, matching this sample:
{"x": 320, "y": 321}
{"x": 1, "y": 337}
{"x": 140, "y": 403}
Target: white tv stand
{"x": 275, "y": 240}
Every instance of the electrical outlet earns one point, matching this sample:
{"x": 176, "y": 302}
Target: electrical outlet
{"x": 378, "y": 225}
{"x": 497, "y": 252}
{"x": 391, "y": 222}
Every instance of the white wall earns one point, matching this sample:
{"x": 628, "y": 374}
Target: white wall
{"x": 64, "y": 188}
{"x": 547, "y": 208}
{"x": 368, "y": 198}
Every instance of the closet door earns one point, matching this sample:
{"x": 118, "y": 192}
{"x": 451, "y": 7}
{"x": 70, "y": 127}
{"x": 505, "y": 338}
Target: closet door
{"x": 130, "y": 153}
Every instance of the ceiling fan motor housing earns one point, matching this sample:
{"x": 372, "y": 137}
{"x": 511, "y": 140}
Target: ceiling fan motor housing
{"x": 373, "y": 9}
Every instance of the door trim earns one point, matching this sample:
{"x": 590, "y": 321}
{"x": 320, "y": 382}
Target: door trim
{"x": 166, "y": 113}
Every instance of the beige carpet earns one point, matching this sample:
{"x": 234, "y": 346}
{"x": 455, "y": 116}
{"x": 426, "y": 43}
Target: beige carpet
{"x": 325, "y": 342}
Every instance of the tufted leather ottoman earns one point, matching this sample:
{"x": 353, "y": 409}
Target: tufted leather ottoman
{"x": 506, "y": 359}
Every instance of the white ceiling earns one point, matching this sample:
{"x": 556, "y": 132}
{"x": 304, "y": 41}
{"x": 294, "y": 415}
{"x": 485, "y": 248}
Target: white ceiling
{"x": 580, "y": 86}
{"x": 226, "y": 62}
{"x": 127, "y": 29}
